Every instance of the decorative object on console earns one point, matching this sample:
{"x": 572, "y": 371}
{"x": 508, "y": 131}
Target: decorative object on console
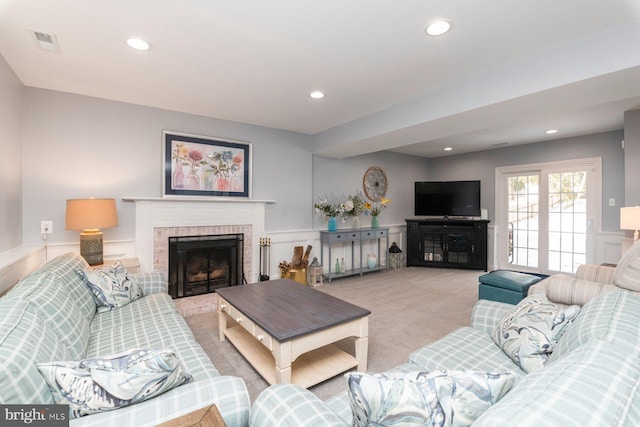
{"x": 89, "y": 216}
{"x": 395, "y": 256}
{"x": 375, "y": 183}
{"x": 354, "y": 207}
{"x": 375, "y": 209}
{"x": 314, "y": 273}
{"x": 372, "y": 260}
{"x": 329, "y": 208}
{"x": 196, "y": 165}
{"x": 630, "y": 220}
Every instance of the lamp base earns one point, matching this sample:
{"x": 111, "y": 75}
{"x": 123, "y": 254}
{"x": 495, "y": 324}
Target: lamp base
{"x": 91, "y": 246}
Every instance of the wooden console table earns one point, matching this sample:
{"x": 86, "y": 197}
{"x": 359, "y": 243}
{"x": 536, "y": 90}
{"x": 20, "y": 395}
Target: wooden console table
{"x": 353, "y": 238}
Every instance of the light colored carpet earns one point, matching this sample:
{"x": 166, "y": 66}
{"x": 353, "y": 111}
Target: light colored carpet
{"x": 410, "y": 307}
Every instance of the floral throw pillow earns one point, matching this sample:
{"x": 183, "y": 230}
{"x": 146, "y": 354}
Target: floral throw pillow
{"x": 435, "y": 398}
{"x": 103, "y": 384}
{"x": 112, "y": 287}
{"x": 530, "y": 332}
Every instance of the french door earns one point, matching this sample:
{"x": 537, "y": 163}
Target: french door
{"x": 547, "y": 215}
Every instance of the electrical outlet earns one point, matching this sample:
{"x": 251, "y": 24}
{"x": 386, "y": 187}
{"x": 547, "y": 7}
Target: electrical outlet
{"x": 46, "y": 227}
{"x": 612, "y": 202}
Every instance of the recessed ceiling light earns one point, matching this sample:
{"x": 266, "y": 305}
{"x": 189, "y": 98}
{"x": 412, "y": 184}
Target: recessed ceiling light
{"x": 448, "y": 148}
{"x": 437, "y": 27}
{"x": 551, "y": 131}
{"x": 316, "y": 94}
{"x": 138, "y": 44}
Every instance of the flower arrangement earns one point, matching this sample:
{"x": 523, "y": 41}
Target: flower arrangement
{"x": 354, "y": 206}
{"x": 328, "y": 208}
{"x": 375, "y": 210}
{"x": 224, "y": 163}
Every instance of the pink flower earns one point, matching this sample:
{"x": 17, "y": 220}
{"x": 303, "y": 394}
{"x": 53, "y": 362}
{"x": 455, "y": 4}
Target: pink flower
{"x": 195, "y": 155}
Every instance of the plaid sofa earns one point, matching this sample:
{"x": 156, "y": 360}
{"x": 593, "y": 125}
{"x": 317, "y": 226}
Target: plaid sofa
{"x": 592, "y": 378}
{"x": 50, "y": 315}
{"x": 591, "y": 280}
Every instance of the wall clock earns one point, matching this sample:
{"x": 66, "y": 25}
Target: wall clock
{"x": 375, "y": 183}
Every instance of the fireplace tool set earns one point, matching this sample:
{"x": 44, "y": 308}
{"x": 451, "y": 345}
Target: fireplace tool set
{"x": 265, "y": 258}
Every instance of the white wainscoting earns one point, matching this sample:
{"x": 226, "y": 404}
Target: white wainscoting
{"x": 112, "y": 250}
{"x": 18, "y": 262}
{"x": 609, "y": 247}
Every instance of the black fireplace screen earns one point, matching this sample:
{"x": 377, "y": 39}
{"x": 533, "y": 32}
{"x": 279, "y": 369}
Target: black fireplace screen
{"x": 201, "y": 264}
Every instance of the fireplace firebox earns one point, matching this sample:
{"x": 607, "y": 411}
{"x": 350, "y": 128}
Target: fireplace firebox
{"x": 201, "y": 264}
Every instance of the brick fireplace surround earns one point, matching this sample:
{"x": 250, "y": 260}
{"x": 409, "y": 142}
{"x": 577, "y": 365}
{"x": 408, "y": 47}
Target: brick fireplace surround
{"x": 159, "y": 218}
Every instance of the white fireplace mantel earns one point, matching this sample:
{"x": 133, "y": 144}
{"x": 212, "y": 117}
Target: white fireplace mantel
{"x": 154, "y": 212}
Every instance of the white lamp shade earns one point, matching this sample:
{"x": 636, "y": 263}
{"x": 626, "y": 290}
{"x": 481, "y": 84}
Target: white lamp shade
{"x": 83, "y": 214}
{"x": 630, "y": 218}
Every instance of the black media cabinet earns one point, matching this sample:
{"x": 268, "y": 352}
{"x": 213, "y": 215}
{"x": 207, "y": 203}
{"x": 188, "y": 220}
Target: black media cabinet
{"x": 454, "y": 243}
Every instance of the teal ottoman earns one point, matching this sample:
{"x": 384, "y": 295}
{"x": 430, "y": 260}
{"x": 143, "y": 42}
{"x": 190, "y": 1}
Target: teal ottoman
{"x": 506, "y": 285}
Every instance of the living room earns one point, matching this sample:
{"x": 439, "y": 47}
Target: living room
{"x": 57, "y": 140}
{"x": 76, "y": 123}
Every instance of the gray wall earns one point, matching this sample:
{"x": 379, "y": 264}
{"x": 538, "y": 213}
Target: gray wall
{"x": 76, "y": 146}
{"x": 482, "y": 166}
{"x": 11, "y": 93}
{"x": 58, "y": 146}
{"x": 632, "y": 157}
{"x": 343, "y": 177}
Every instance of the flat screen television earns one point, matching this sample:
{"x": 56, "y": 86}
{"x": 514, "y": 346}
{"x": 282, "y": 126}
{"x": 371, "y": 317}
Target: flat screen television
{"x": 447, "y": 198}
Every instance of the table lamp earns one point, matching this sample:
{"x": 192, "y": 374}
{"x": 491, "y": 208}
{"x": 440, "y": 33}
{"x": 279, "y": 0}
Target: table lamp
{"x": 89, "y": 216}
{"x": 630, "y": 220}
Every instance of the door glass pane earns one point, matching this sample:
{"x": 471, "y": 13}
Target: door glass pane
{"x": 567, "y": 220}
{"x": 523, "y": 213}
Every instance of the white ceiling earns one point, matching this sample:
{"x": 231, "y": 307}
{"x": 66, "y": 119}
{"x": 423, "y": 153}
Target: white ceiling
{"x": 507, "y": 71}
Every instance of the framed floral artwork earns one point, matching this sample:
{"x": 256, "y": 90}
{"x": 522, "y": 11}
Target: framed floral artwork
{"x": 204, "y": 166}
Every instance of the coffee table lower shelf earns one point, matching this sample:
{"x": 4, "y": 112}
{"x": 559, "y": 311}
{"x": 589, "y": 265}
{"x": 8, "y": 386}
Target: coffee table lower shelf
{"x": 307, "y": 370}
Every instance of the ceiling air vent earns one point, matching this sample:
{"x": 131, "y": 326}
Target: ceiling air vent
{"x": 46, "y": 41}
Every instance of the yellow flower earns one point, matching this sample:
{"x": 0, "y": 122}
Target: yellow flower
{"x": 375, "y": 210}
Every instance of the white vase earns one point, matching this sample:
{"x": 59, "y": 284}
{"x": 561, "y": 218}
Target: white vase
{"x": 355, "y": 223}
{"x": 372, "y": 260}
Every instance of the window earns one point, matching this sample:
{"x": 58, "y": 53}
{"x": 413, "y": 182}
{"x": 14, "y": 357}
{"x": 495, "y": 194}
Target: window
{"x": 546, "y": 213}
